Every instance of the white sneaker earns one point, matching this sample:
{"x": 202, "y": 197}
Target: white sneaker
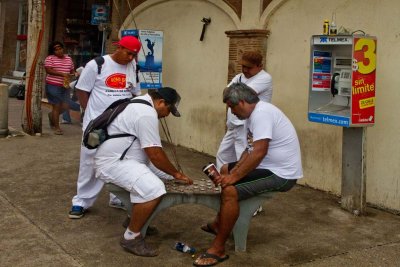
{"x": 260, "y": 209}
{"x": 116, "y": 203}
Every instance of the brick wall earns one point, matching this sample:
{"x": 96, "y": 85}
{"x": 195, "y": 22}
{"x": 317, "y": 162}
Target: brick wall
{"x": 244, "y": 40}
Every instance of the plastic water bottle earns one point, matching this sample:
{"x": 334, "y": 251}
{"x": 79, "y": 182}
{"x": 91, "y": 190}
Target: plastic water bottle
{"x": 182, "y": 247}
{"x": 332, "y": 27}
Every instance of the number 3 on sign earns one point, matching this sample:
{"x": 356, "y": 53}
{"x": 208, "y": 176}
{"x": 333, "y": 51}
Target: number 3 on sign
{"x": 369, "y": 55}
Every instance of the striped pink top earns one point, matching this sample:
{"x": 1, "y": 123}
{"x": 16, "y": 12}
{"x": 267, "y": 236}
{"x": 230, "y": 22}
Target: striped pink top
{"x": 64, "y": 65}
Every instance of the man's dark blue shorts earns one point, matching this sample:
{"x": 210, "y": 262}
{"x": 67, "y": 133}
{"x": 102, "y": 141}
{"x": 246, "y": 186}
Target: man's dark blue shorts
{"x": 261, "y": 181}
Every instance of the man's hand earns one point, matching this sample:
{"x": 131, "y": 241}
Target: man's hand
{"x": 182, "y": 177}
{"x": 247, "y": 163}
{"x": 225, "y": 180}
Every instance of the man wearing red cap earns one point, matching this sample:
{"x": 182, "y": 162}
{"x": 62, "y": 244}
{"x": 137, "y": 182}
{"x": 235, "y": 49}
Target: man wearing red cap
{"x": 98, "y": 87}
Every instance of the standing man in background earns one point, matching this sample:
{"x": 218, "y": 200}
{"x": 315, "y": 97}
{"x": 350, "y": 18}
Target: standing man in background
{"x": 253, "y": 75}
{"x": 96, "y": 91}
{"x": 234, "y": 142}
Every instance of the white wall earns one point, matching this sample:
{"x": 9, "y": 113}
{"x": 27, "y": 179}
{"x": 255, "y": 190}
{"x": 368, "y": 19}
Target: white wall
{"x": 199, "y": 71}
{"x": 288, "y": 61}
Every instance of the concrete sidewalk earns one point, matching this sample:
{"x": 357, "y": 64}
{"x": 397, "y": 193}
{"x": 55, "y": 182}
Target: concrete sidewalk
{"x": 302, "y": 227}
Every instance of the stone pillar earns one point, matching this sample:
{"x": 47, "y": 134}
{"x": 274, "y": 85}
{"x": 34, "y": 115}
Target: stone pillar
{"x": 3, "y": 110}
{"x": 244, "y": 40}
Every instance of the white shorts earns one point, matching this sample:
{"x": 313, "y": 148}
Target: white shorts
{"x": 232, "y": 146}
{"x": 135, "y": 177}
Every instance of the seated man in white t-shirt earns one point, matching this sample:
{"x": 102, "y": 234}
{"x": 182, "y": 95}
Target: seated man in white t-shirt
{"x": 271, "y": 162}
{"x": 135, "y": 172}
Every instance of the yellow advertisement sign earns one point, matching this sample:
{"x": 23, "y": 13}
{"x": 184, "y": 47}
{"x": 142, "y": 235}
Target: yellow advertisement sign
{"x": 367, "y": 102}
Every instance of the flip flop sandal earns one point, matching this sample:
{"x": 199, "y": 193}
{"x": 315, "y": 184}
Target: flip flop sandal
{"x": 207, "y": 228}
{"x": 207, "y": 255}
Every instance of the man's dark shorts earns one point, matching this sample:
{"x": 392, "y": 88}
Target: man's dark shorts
{"x": 261, "y": 181}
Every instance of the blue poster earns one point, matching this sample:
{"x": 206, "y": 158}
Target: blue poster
{"x": 99, "y": 14}
{"x": 130, "y": 33}
{"x": 150, "y": 57}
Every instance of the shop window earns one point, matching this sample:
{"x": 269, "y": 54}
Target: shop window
{"x": 82, "y": 40}
{"x": 21, "y": 49}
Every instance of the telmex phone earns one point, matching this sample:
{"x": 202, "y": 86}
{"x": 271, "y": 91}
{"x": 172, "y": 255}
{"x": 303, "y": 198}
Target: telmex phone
{"x": 341, "y": 78}
{"x": 341, "y": 83}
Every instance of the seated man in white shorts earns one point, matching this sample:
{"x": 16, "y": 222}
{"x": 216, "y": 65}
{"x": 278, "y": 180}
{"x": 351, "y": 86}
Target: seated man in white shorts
{"x": 135, "y": 172}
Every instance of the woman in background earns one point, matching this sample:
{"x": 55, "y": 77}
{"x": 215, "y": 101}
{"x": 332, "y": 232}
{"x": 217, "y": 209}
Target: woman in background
{"x": 59, "y": 68}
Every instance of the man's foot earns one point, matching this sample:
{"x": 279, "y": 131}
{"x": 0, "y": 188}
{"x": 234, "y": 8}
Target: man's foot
{"x": 208, "y": 228}
{"x": 151, "y": 230}
{"x": 116, "y": 203}
{"x": 76, "y": 212}
{"x": 138, "y": 247}
{"x": 208, "y": 259}
{"x": 260, "y": 209}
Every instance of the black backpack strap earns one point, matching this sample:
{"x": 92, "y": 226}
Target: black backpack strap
{"x": 99, "y": 61}
{"x": 141, "y": 101}
{"x": 118, "y": 136}
{"x": 126, "y": 150}
{"x": 123, "y": 135}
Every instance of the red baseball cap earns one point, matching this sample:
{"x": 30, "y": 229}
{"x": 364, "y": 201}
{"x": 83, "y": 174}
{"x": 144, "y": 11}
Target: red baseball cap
{"x": 130, "y": 42}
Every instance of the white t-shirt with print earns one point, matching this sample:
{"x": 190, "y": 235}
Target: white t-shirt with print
{"x": 261, "y": 83}
{"x": 139, "y": 120}
{"x": 104, "y": 88}
{"x": 284, "y": 156}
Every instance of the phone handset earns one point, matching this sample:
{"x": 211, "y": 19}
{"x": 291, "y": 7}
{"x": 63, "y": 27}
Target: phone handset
{"x": 334, "y": 81}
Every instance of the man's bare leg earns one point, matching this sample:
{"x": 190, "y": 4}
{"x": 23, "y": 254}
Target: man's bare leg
{"x": 229, "y": 212}
{"x": 140, "y": 213}
{"x": 132, "y": 241}
{"x": 215, "y": 224}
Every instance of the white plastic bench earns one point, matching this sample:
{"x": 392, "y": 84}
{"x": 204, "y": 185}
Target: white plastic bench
{"x": 207, "y": 196}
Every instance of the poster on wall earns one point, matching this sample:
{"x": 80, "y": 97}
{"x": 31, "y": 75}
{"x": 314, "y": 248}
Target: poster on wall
{"x": 99, "y": 14}
{"x": 321, "y": 71}
{"x": 363, "y": 84}
{"x": 150, "y": 57}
